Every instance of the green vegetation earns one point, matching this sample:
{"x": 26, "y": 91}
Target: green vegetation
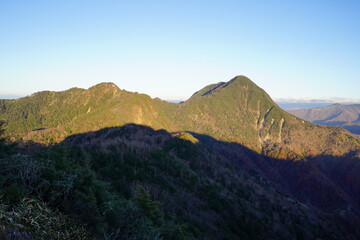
{"x": 188, "y": 137}
{"x": 34, "y": 188}
{"x": 236, "y": 111}
{"x": 82, "y": 169}
{"x": 33, "y": 219}
{"x": 49, "y": 117}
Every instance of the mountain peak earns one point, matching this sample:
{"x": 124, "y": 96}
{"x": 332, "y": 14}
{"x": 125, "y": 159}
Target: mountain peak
{"x": 236, "y": 87}
{"x": 241, "y": 80}
{"x": 237, "y": 81}
{"x": 336, "y": 104}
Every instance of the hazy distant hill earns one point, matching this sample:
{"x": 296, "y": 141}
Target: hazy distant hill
{"x": 300, "y": 105}
{"x": 345, "y": 116}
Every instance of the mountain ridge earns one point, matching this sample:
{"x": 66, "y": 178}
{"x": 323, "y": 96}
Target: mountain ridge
{"x": 237, "y": 111}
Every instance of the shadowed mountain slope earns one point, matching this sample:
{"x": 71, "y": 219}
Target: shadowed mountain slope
{"x": 208, "y": 189}
{"x": 224, "y": 190}
{"x": 345, "y": 116}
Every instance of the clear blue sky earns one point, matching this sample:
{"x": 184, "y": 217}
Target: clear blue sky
{"x": 170, "y": 49}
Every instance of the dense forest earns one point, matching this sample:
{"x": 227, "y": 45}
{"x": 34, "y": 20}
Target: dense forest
{"x": 133, "y": 182}
{"x": 56, "y": 193}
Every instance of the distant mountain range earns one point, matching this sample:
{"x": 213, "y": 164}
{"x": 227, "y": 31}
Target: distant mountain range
{"x": 228, "y": 162}
{"x": 302, "y": 103}
{"x": 345, "y": 116}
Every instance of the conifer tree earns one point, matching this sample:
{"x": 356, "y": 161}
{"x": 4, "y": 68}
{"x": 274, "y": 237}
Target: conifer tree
{"x": 148, "y": 206}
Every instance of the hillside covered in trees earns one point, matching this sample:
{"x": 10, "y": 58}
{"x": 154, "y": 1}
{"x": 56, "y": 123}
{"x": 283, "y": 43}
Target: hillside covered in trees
{"x": 228, "y": 163}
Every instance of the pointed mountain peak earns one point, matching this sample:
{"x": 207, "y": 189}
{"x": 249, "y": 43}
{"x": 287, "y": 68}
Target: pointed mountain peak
{"x": 241, "y": 79}
{"x": 233, "y": 87}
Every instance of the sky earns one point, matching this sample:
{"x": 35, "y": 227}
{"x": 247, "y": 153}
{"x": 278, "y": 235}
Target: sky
{"x": 171, "y": 49}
